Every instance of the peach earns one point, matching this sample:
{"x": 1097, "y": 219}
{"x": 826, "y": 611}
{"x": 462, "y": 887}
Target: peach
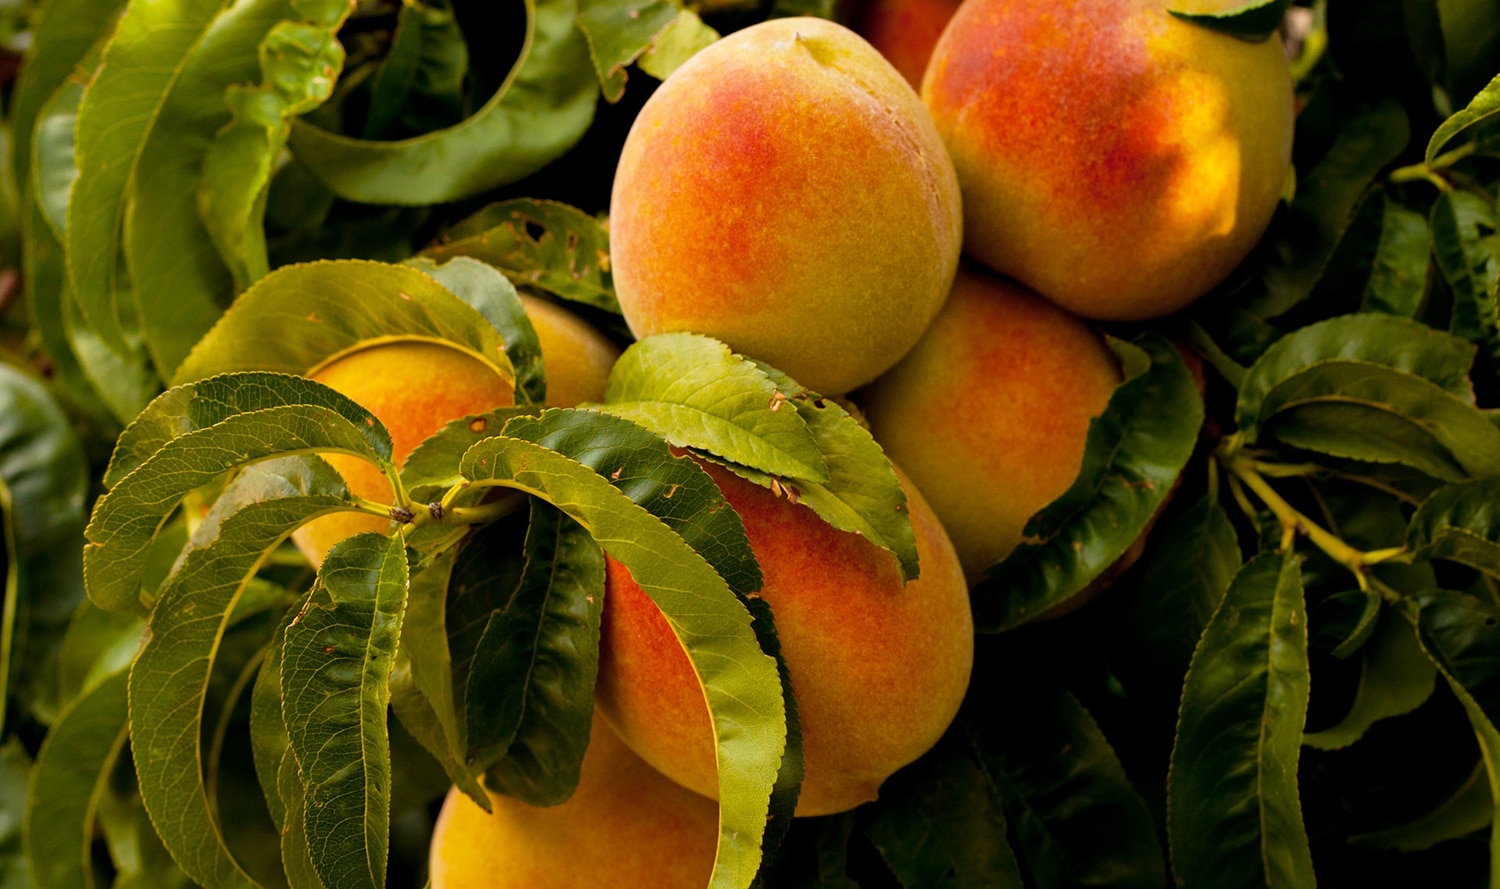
{"x": 415, "y": 387}
{"x": 786, "y": 192}
{"x": 990, "y": 412}
{"x": 905, "y": 31}
{"x": 626, "y": 825}
{"x": 1116, "y": 159}
{"x": 878, "y": 669}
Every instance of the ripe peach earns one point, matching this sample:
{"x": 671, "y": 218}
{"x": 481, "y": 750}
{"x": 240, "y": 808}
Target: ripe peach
{"x": 1116, "y": 159}
{"x": 990, "y": 412}
{"x": 785, "y": 192}
{"x": 905, "y": 31}
{"x": 626, "y": 825}
{"x": 878, "y": 670}
{"x": 415, "y": 387}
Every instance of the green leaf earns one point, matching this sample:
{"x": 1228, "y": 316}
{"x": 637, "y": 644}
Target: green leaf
{"x": 1471, "y": 42}
{"x": 139, "y": 859}
{"x": 194, "y": 407}
{"x": 683, "y": 39}
{"x": 939, "y": 822}
{"x": 1184, "y": 583}
{"x": 1254, "y": 21}
{"x": 1467, "y": 811}
{"x": 531, "y": 681}
{"x": 545, "y": 245}
{"x": 695, "y": 393}
{"x": 141, "y": 63}
{"x": 61, "y": 36}
{"x": 1395, "y": 679}
{"x": 427, "y": 662}
{"x": 1461, "y": 634}
{"x": 1077, "y": 819}
{"x": 127, "y": 518}
{"x": 43, "y": 481}
{"x": 97, "y": 645}
{"x": 483, "y": 287}
{"x": 1135, "y": 451}
{"x": 740, "y": 682}
{"x": 172, "y": 673}
{"x": 1481, "y": 108}
{"x": 66, "y": 783}
{"x": 1461, "y": 523}
{"x": 1398, "y": 276}
{"x": 1342, "y": 623}
{"x": 181, "y": 284}
{"x": 1233, "y": 813}
{"x": 419, "y": 85}
{"x": 788, "y": 786}
{"x": 638, "y": 464}
{"x": 299, "y": 62}
{"x": 15, "y": 777}
{"x": 268, "y": 735}
{"x": 619, "y": 32}
{"x": 544, "y": 106}
{"x": 863, "y": 495}
{"x": 299, "y": 316}
{"x": 335, "y": 691}
{"x": 1372, "y": 387}
{"x": 296, "y": 857}
{"x": 1327, "y": 198}
{"x": 432, "y": 466}
{"x": 1464, "y": 244}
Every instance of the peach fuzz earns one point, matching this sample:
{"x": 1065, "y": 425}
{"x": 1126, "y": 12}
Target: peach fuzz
{"x": 1114, "y": 158}
{"x": 786, "y": 192}
{"x": 878, "y": 669}
{"x": 990, "y": 412}
{"x": 905, "y": 31}
{"x": 415, "y": 387}
{"x": 626, "y": 825}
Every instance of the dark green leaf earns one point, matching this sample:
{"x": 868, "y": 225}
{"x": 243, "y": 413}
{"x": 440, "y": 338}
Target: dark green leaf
{"x": 428, "y": 665}
{"x": 1398, "y": 277}
{"x": 1234, "y": 817}
{"x": 541, "y": 244}
{"x": 694, "y": 392}
{"x": 299, "y": 316}
{"x": 1254, "y": 21}
{"x": 1471, "y": 43}
{"x": 335, "y": 691}
{"x": 1395, "y": 679}
{"x": 1327, "y": 198}
{"x": 1460, "y": 522}
{"x": 97, "y": 645}
{"x": 1342, "y": 623}
{"x": 788, "y": 785}
{"x": 1184, "y": 583}
{"x": 1464, "y": 244}
{"x": 619, "y": 31}
{"x": 939, "y": 823}
{"x": 543, "y": 107}
{"x": 1462, "y": 636}
{"x": 296, "y": 857}
{"x": 419, "y": 85}
{"x": 43, "y": 480}
{"x": 740, "y": 683}
{"x": 66, "y": 782}
{"x": 268, "y": 736}
{"x": 492, "y": 294}
{"x": 1078, "y": 820}
{"x": 639, "y": 465}
{"x": 1467, "y": 811}
{"x": 531, "y": 681}
{"x": 144, "y": 57}
{"x": 1134, "y": 453}
{"x": 173, "y": 670}
{"x": 15, "y": 777}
